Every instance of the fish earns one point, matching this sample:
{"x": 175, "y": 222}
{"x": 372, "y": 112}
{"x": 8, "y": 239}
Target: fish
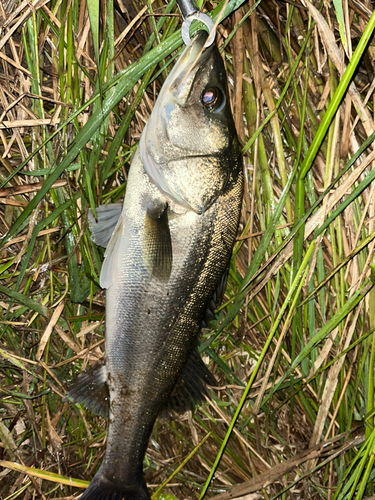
{"x": 166, "y": 260}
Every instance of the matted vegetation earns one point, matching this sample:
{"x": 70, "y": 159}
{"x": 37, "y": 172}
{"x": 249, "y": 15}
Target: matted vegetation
{"x": 293, "y": 347}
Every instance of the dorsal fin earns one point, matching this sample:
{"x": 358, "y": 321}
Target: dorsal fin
{"x": 191, "y": 387}
{"x": 216, "y": 299}
{"x": 90, "y": 388}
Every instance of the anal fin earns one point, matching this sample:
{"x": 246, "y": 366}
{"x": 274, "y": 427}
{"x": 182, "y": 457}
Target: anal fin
{"x": 90, "y": 389}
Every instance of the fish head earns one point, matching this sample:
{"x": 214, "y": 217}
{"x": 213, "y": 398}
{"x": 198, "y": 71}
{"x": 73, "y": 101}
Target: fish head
{"x": 189, "y": 145}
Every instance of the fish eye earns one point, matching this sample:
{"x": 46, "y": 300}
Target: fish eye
{"x": 213, "y": 98}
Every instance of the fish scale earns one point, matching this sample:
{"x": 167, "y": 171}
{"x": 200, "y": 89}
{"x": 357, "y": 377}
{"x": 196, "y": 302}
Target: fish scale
{"x": 166, "y": 257}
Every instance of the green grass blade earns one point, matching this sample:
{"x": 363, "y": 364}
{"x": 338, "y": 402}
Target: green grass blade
{"x": 337, "y": 98}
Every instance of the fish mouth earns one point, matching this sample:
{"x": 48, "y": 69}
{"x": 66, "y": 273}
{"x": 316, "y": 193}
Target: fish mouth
{"x": 174, "y": 93}
{"x": 183, "y": 74}
{"x": 190, "y": 157}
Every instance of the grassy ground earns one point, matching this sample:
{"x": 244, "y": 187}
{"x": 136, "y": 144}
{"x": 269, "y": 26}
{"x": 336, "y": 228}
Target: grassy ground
{"x": 293, "y": 346}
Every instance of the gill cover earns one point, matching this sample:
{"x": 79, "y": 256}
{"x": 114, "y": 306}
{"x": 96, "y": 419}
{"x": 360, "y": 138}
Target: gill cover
{"x": 185, "y": 139}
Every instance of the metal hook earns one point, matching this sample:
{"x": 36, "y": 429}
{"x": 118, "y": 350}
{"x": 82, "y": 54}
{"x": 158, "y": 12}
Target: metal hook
{"x": 190, "y": 12}
{"x": 187, "y": 7}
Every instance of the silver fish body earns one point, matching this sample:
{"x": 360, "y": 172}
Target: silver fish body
{"x": 168, "y": 252}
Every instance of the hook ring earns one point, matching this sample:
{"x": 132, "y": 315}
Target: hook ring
{"x": 203, "y": 18}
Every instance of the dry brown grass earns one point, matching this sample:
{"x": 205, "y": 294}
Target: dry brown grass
{"x": 307, "y": 430}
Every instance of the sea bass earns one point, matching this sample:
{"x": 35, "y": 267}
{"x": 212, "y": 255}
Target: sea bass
{"x": 167, "y": 254}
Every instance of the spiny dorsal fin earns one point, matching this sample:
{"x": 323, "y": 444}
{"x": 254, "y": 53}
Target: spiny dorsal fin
{"x": 216, "y": 300}
{"x": 90, "y": 389}
{"x": 157, "y": 243}
{"x": 103, "y": 227}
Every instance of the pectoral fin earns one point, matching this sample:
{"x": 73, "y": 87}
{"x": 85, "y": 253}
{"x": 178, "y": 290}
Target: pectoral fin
{"x": 157, "y": 243}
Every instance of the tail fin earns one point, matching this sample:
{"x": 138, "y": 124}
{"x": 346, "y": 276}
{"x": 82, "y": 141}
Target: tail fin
{"x": 102, "y": 488}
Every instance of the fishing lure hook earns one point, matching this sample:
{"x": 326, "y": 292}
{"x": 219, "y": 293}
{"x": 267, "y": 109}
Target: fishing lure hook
{"x": 190, "y": 12}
